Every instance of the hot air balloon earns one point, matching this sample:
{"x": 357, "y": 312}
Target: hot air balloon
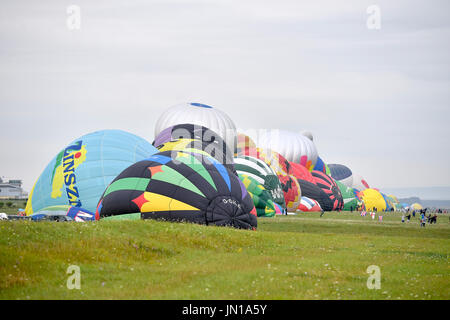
{"x": 276, "y": 161}
{"x": 312, "y": 191}
{"x": 63, "y": 213}
{"x": 300, "y": 172}
{"x": 309, "y": 205}
{"x": 388, "y": 202}
{"x": 262, "y": 199}
{"x": 79, "y": 174}
{"x": 394, "y": 199}
{"x": 244, "y": 142}
{"x": 292, "y": 192}
{"x": 341, "y": 173}
{"x": 263, "y": 174}
{"x": 200, "y": 147}
{"x": 350, "y": 201}
{"x": 359, "y": 183}
{"x": 295, "y": 147}
{"x": 180, "y": 186}
{"x": 373, "y": 200}
{"x": 322, "y": 166}
{"x": 199, "y": 114}
{"x": 330, "y": 188}
{"x": 211, "y": 141}
{"x": 416, "y": 206}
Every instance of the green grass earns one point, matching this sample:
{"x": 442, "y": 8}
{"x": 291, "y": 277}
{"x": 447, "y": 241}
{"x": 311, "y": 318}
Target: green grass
{"x": 288, "y": 257}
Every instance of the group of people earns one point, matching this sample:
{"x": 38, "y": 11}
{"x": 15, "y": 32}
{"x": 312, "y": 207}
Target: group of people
{"x": 424, "y": 219}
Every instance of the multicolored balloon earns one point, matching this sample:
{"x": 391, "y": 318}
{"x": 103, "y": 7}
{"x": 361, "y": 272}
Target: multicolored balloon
{"x": 202, "y": 115}
{"x": 329, "y": 187}
{"x": 359, "y": 183}
{"x": 276, "y": 161}
{"x": 309, "y": 205}
{"x": 244, "y": 143}
{"x": 300, "y": 172}
{"x": 295, "y": 147}
{"x": 292, "y": 192}
{"x": 81, "y": 171}
{"x": 180, "y": 186}
{"x": 263, "y": 174}
{"x": 350, "y": 201}
{"x": 262, "y": 199}
{"x": 202, "y": 148}
{"x": 373, "y": 200}
{"x": 341, "y": 173}
{"x": 64, "y": 213}
{"x": 212, "y": 142}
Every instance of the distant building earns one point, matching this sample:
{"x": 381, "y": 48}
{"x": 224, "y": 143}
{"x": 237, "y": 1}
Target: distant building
{"x": 12, "y": 190}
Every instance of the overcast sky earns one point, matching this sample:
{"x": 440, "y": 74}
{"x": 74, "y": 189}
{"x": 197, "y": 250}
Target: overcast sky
{"x": 377, "y": 100}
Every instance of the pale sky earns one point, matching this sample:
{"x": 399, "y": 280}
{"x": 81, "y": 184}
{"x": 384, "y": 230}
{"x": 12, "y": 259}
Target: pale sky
{"x": 377, "y": 100}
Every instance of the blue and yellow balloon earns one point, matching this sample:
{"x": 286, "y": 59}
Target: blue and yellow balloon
{"x": 80, "y": 173}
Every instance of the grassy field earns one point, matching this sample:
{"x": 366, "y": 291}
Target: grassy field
{"x": 288, "y": 257}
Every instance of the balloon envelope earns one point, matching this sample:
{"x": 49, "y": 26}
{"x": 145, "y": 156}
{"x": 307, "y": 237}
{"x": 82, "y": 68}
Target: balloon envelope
{"x": 295, "y": 147}
{"x": 180, "y": 186}
{"x": 341, "y": 173}
{"x": 78, "y": 175}
{"x": 292, "y": 192}
{"x": 359, "y": 183}
{"x": 373, "y": 200}
{"x": 330, "y": 188}
{"x": 200, "y": 147}
{"x": 262, "y": 198}
{"x": 263, "y": 174}
{"x": 309, "y": 205}
{"x": 210, "y": 140}
{"x": 64, "y": 212}
{"x": 199, "y": 114}
{"x": 350, "y": 201}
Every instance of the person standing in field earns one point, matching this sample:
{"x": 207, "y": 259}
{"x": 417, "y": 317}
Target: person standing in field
{"x": 422, "y": 220}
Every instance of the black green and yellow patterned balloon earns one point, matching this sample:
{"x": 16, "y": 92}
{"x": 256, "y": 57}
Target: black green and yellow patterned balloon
{"x": 180, "y": 186}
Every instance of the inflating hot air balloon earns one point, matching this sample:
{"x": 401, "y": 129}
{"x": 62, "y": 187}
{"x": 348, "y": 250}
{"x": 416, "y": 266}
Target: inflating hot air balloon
{"x": 200, "y": 147}
{"x": 330, "y": 188}
{"x": 312, "y": 191}
{"x": 212, "y": 142}
{"x": 373, "y": 200}
{"x": 393, "y": 202}
{"x": 295, "y": 147}
{"x": 180, "y": 186}
{"x": 292, "y": 192}
{"x": 276, "y": 161}
{"x": 359, "y": 183}
{"x": 63, "y": 213}
{"x": 322, "y": 166}
{"x": 300, "y": 172}
{"x": 79, "y": 174}
{"x": 416, "y": 206}
{"x": 244, "y": 142}
{"x": 341, "y": 173}
{"x": 199, "y": 114}
{"x": 348, "y": 197}
{"x": 309, "y": 205}
{"x": 393, "y": 198}
{"x": 263, "y": 174}
{"x": 261, "y": 197}
{"x": 389, "y": 205}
